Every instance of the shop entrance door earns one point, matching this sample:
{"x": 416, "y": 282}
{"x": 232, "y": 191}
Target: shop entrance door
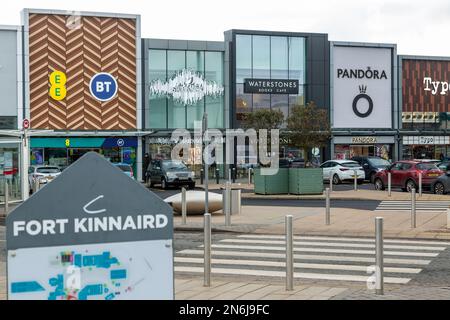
{"x": 75, "y": 153}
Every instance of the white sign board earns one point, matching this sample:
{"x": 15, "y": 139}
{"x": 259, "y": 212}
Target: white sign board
{"x": 362, "y": 87}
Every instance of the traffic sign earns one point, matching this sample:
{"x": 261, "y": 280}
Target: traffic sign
{"x": 26, "y": 123}
{"x": 103, "y": 86}
{"x": 91, "y": 233}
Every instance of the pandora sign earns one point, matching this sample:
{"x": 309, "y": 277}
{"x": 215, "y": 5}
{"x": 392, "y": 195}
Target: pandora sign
{"x": 362, "y": 87}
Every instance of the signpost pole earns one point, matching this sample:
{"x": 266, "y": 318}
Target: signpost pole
{"x": 205, "y": 128}
{"x": 389, "y": 184}
{"x": 183, "y": 206}
{"x": 413, "y": 208}
{"x": 6, "y": 197}
{"x": 25, "y": 163}
{"x": 331, "y": 181}
{"x": 289, "y": 254}
{"x": 228, "y": 204}
{"x": 420, "y": 184}
{"x": 207, "y": 250}
{"x": 379, "y": 264}
{"x": 355, "y": 176}
{"x": 327, "y": 206}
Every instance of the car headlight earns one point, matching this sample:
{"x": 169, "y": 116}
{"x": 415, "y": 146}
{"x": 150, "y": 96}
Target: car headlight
{"x": 42, "y": 180}
{"x": 192, "y": 174}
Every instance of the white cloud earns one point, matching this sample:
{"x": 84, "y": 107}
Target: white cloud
{"x": 417, "y": 26}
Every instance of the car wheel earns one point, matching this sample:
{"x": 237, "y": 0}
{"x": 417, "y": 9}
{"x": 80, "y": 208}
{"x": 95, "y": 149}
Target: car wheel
{"x": 336, "y": 179}
{"x": 410, "y": 184}
{"x": 379, "y": 185}
{"x": 439, "y": 188}
{"x": 192, "y": 186}
{"x": 163, "y": 184}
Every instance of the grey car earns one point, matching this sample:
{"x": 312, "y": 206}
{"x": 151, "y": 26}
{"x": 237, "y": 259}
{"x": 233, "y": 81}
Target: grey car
{"x": 442, "y": 184}
{"x": 169, "y": 173}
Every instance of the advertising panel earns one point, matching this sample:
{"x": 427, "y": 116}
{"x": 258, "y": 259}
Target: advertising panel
{"x": 362, "y": 87}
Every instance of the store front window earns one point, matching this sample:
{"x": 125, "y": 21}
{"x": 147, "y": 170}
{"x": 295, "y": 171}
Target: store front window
{"x": 268, "y": 57}
{"x": 10, "y": 170}
{"x": 342, "y": 151}
{"x": 426, "y": 147}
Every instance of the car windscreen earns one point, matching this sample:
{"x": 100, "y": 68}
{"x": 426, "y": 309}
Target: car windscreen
{"x": 379, "y": 162}
{"x": 426, "y": 166}
{"x": 173, "y": 166}
{"x": 350, "y": 164}
{"x": 48, "y": 170}
{"x": 124, "y": 168}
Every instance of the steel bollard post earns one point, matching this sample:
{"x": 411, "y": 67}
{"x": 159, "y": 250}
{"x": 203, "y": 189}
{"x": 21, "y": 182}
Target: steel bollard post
{"x": 448, "y": 218}
{"x": 389, "y": 184}
{"x": 228, "y": 204}
{"x": 327, "y": 206}
{"x": 217, "y": 175}
{"x": 207, "y": 250}
{"x": 201, "y": 176}
{"x": 289, "y": 254}
{"x": 331, "y": 181}
{"x": 6, "y": 197}
{"x": 37, "y": 185}
{"x": 379, "y": 281}
{"x": 420, "y": 184}
{"x": 413, "y": 208}
{"x": 249, "y": 176}
{"x": 183, "y": 206}
{"x": 355, "y": 180}
{"x": 234, "y": 175}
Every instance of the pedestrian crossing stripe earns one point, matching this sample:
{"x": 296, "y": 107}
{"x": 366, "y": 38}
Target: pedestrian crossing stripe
{"x": 315, "y": 257}
{"x": 421, "y": 205}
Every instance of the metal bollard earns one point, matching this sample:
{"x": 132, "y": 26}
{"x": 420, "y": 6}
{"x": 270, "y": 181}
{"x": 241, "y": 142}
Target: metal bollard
{"x": 331, "y": 181}
{"x": 207, "y": 250}
{"x": 327, "y": 206}
{"x": 289, "y": 254}
{"x": 217, "y": 176}
{"x": 249, "y": 176}
{"x": 228, "y": 204}
{"x": 6, "y": 197}
{"x": 37, "y": 185}
{"x": 379, "y": 281}
{"x": 420, "y": 184}
{"x": 234, "y": 175}
{"x": 389, "y": 184}
{"x": 201, "y": 176}
{"x": 183, "y": 206}
{"x": 229, "y": 174}
{"x": 413, "y": 208}
{"x": 355, "y": 180}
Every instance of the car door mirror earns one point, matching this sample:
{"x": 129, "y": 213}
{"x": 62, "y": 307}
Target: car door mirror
{"x": 157, "y": 168}
{"x": 365, "y": 165}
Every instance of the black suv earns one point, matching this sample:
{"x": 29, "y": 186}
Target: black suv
{"x": 169, "y": 173}
{"x": 371, "y": 165}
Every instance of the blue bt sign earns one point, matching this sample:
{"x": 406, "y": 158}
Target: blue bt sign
{"x": 103, "y": 86}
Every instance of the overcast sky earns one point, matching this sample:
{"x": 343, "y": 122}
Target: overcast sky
{"x": 419, "y": 27}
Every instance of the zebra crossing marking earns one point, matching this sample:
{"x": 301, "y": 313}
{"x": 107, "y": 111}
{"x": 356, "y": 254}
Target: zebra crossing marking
{"x": 316, "y": 257}
{"x": 430, "y": 206}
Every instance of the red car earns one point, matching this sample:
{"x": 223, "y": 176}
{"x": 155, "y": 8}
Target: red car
{"x": 405, "y": 174}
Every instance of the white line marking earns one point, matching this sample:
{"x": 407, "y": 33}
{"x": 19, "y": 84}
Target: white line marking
{"x": 296, "y": 265}
{"x": 304, "y": 257}
{"x": 348, "y": 239}
{"x": 368, "y": 252}
{"x": 264, "y": 273}
{"x": 325, "y": 244}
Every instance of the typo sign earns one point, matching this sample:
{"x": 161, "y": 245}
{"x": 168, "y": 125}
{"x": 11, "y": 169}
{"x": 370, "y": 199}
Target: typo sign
{"x": 436, "y": 87}
{"x": 94, "y": 221}
{"x": 273, "y": 86}
{"x": 103, "y": 86}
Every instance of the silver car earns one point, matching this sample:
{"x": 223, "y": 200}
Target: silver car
{"x": 43, "y": 174}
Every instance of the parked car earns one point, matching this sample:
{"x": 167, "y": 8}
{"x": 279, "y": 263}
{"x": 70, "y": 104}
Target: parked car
{"x": 405, "y": 174}
{"x": 342, "y": 170}
{"x": 371, "y": 165}
{"x": 169, "y": 173}
{"x": 126, "y": 168}
{"x": 45, "y": 174}
{"x": 442, "y": 184}
{"x": 444, "y": 166}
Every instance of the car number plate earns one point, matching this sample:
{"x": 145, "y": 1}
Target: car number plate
{"x": 433, "y": 175}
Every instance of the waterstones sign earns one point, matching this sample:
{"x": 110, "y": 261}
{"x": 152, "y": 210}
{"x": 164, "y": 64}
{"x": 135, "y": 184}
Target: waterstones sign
{"x": 273, "y": 86}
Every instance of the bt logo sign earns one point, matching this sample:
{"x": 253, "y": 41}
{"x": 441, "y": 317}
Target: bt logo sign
{"x": 103, "y": 86}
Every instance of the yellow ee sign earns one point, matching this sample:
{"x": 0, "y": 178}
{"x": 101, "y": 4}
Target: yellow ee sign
{"x": 67, "y": 142}
{"x": 57, "y": 85}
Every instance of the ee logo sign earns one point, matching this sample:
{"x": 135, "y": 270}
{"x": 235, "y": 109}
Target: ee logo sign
{"x": 57, "y": 85}
{"x": 103, "y": 86}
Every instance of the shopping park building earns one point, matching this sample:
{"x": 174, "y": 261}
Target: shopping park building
{"x": 379, "y": 103}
